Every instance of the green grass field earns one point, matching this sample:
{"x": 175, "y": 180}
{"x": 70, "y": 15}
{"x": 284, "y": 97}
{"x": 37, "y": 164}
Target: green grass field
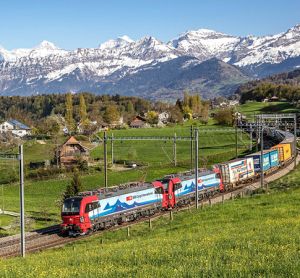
{"x": 42, "y": 196}
{"x": 251, "y": 107}
{"x": 5, "y": 220}
{"x": 257, "y": 236}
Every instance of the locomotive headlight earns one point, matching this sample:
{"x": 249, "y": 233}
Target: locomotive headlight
{"x": 81, "y": 219}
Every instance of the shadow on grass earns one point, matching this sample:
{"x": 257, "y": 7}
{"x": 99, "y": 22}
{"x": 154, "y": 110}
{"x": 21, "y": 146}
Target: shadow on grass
{"x": 280, "y": 107}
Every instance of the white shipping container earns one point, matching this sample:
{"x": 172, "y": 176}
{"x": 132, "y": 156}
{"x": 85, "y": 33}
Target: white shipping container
{"x": 237, "y": 170}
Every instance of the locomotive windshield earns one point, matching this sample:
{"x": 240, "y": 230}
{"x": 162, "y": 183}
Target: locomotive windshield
{"x": 71, "y": 206}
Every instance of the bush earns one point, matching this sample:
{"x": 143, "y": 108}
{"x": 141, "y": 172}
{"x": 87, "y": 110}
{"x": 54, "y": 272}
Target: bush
{"x": 224, "y": 117}
{"x": 82, "y": 164}
{"x": 44, "y": 173}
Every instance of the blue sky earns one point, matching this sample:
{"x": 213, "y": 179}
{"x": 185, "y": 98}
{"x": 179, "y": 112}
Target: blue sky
{"x": 86, "y": 23}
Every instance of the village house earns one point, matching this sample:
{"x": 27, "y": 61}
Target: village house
{"x": 163, "y": 118}
{"x": 71, "y": 152}
{"x": 15, "y": 128}
{"x": 139, "y": 122}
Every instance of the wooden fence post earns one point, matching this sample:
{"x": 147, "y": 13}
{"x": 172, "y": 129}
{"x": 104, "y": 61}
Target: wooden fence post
{"x": 171, "y": 215}
{"x": 128, "y": 231}
{"x": 150, "y": 224}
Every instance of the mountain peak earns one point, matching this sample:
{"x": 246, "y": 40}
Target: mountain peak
{"x": 126, "y": 38}
{"x": 115, "y": 43}
{"x": 46, "y": 45}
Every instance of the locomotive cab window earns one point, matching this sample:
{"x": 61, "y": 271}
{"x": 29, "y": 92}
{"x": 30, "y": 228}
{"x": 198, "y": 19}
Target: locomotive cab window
{"x": 89, "y": 207}
{"x": 218, "y": 176}
{"x": 71, "y": 206}
{"x": 177, "y": 186}
{"x": 96, "y": 205}
{"x": 159, "y": 190}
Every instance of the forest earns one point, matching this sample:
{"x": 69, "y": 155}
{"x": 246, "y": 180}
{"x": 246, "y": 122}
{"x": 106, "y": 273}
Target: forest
{"x": 43, "y": 111}
{"x": 284, "y": 86}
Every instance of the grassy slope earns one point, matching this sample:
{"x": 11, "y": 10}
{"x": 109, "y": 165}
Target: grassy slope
{"x": 5, "y": 220}
{"x": 250, "y": 108}
{"x": 41, "y": 197}
{"x": 254, "y": 236}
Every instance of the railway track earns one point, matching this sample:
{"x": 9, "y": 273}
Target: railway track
{"x": 49, "y": 237}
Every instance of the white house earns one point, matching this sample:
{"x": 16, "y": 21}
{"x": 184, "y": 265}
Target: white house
{"x": 163, "y": 117}
{"x": 15, "y": 127}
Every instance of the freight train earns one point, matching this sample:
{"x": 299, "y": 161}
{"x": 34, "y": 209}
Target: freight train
{"x": 103, "y": 208}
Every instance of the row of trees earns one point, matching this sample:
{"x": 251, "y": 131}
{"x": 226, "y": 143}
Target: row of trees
{"x": 193, "y": 107}
{"x": 47, "y": 113}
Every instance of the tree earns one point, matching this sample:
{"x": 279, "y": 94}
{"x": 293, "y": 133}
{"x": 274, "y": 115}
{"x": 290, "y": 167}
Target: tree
{"x": 130, "y": 108}
{"x": 225, "y": 117}
{"x": 49, "y": 125}
{"x": 111, "y": 114}
{"x": 186, "y": 98}
{"x": 74, "y": 187}
{"x": 187, "y": 112}
{"x": 69, "y": 113}
{"x": 176, "y": 115}
{"x": 82, "y": 109}
{"x": 204, "y": 113}
{"x": 152, "y": 117}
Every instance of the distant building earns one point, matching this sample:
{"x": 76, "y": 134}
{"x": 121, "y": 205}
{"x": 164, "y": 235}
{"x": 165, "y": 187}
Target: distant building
{"x": 233, "y": 102}
{"x": 139, "y": 122}
{"x": 15, "y": 127}
{"x": 274, "y": 99}
{"x": 163, "y": 117}
{"x": 71, "y": 151}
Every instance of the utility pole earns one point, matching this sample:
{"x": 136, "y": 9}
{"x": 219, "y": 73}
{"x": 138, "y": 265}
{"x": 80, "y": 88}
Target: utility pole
{"x": 196, "y": 166}
{"x": 257, "y": 133}
{"x": 2, "y": 198}
{"x": 251, "y": 138}
{"x": 112, "y": 149}
{"x": 192, "y": 143}
{"x": 236, "y": 138}
{"x": 295, "y": 139}
{"x": 105, "y": 159}
{"x": 174, "y": 150}
{"x": 22, "y": 218}
{"x": 56, "y": 143}
{"x": 262, "y": 157}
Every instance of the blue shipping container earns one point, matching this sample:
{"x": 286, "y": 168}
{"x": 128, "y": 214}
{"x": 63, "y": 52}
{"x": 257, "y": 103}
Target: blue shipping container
{"x": 256, "y": 161}
{"x": 274, "y": 158}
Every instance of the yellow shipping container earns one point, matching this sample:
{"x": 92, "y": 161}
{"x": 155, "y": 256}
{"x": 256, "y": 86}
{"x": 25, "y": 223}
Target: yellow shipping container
{"x": 284, "y": 151}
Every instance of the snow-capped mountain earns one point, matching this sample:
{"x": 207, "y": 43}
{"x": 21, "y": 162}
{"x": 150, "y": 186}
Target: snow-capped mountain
{"x": 146, "y": 66}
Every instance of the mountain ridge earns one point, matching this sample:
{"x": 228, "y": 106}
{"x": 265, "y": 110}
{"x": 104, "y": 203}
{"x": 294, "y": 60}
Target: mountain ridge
{"x": 46, "y": 67}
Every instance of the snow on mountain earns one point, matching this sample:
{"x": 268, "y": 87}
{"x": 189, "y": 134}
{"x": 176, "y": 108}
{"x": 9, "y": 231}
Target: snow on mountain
{"x": 47, "y": 67}
{"x": 119, "y": 42}
{"x": 240, "y": 51}
{"x": 205, "y": 44}
{"x": 272, "y": 49}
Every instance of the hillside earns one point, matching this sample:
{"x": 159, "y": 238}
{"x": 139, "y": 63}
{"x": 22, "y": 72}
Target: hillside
{"x": 167, "y": 80}
{"x": 253, "y": 236}
{"x": 284, "y": 86}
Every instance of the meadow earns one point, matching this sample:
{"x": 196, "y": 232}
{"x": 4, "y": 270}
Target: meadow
{"x": 251, "y": 108}
{"x": 43, "y": 196}
{"x": 257, "y": 236}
